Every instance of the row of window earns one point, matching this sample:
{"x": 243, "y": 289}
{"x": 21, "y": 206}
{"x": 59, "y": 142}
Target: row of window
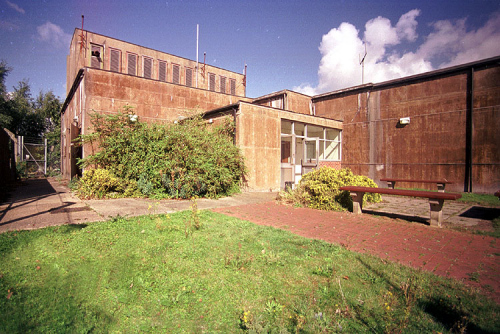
{"x": 148, "y": 66}
{"x": 309, "y": 142}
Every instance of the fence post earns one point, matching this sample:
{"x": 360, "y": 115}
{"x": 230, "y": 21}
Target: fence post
{"x": 45, "y": 167}
{"x": 22, "y": 148}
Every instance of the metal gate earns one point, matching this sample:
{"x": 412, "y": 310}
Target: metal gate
{"x": 33, "y": 152}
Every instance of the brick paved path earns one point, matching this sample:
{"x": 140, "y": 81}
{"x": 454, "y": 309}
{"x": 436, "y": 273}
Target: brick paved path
{"x": 441, "y": 251}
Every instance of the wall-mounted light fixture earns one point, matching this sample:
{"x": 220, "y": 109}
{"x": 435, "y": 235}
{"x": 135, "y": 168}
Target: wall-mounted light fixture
{"x": 404, "y": 120}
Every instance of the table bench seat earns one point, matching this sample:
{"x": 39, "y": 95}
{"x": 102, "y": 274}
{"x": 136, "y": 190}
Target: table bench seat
{"x": 436, "y": 199}
{"x": 391, "y": 182}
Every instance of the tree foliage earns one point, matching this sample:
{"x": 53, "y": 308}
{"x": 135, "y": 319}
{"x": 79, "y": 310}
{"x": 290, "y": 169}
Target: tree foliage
{"x": 25, "y": 116}
{"x": 174, "y": 160}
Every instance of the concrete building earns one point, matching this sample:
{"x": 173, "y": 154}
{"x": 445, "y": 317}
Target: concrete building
{"x": 106, "y": 74}
{"x": 452, "y": 130}
{"x": 437, "y": 125}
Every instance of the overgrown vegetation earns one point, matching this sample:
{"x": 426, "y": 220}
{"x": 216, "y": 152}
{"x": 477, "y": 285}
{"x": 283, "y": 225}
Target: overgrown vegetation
{"x": 160, "y": 273}
{"x": 183, "y": 160}
{"x": 319, "y": 189}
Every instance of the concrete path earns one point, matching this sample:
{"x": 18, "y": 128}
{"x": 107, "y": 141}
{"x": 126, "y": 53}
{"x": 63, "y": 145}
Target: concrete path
{"x": 395, "y": 229}
{"x": 38, "y": 203}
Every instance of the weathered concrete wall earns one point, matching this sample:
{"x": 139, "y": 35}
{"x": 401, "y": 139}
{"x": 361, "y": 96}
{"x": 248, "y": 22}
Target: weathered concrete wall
{"x": 433, "y": 145}
{"x": 151, "y": 100}
{"x": 486, "y": 133}
{"x": 298, "y": 103}
{"x": 81, "y": 57}
{"x": 258, "y": 137}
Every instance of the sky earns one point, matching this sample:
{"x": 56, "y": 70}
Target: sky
{"x": 311, "y": 46}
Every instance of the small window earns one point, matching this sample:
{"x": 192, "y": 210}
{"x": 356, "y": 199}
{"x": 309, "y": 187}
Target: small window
{"x": 162, "y": 70}
{"x": 211, "y": 82}
{"x": 132, "y": 64}
{"x": 176, "y": 74}
{"x": 114, "y": 64}
{"x": 96, "y": 56}
{"x": 148, "y": 67}
{"x": 286, "y": 127}
{"x": 314, "y": 132}
{"x": 189, "y": 77}
{"x": 223, "y": 84}
{"x": 299, "y": 129}
{"x": 232, "y": 84}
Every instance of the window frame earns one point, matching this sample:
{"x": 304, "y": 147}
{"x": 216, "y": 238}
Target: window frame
{"x": 232, "y": 86}
{"x": 210, "y": 84}
{"x": 222, "y": 84}
{"x": 190, "y": 76}
{"x": 160, "y": 62}
{"x": 322, "y": 142}
{"x": 129, "y": 54}
{"x": 151, "y": 67}
{"x": 111, "y": 51}
{"x": 174, "y": 78}
{"x": 99, "y": 58}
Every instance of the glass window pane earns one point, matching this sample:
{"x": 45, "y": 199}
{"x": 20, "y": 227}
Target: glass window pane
{"x": 286, "y": 150}
{"x": 310, "y": 151}
{"x": 321, "y": 150}
{"x": 332, "y": 151}
{"x": 299, "y": 150}
{"x": 286, "y": 127}
{"x": 333, "y": 134}
{"x": 299, "y": 129}
{"x": 314, "y": 131}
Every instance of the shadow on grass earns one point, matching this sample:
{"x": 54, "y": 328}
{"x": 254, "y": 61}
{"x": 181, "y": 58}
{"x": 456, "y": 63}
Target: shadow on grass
{"x": 480, "y": 212}
{"x": 48, "y": 308}
{"x": 451, "y": 316}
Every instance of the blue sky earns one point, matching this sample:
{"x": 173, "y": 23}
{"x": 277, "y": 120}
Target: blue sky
{"x": 308, "y": 46}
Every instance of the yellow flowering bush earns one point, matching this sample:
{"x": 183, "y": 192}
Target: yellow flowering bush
{"x": 319, "y": 189}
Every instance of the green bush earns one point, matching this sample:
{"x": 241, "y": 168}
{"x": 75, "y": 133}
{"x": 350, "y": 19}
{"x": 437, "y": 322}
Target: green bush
{"x": 184, "y": 160}
{"x": 101, "y": 183}
{"x": 319, "y": 189}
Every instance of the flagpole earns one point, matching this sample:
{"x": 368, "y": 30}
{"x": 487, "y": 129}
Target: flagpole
{"x": 197, "y": 42}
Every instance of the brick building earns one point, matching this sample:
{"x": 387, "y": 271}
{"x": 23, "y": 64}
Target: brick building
{"x": 452, "y": 131}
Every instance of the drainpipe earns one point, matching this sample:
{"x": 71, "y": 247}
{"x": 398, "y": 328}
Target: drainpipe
{"x": 468, "y": 131}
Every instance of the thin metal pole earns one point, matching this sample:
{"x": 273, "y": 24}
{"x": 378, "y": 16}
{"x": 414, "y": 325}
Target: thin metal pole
{"x": 45, "y": 167}
{"x": 197, "y": 42}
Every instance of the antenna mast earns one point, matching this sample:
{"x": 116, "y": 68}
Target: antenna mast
{"x": 83, "y": 40}
{"x": 362, "y": 63}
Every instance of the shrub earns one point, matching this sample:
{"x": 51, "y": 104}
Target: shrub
{"x": 167, "y": 160}
{"x": 319, "y": 189}
{"x": 100, "y": 183}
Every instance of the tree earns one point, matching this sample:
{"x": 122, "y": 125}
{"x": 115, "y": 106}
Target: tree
{"x": 5, "y": 113}
{"x": 33, "y": 118}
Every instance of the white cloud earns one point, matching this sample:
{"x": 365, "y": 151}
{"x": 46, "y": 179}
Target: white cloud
{"x": 448, "y": 44}
{"x": 53, "y": 34}
{"x": 15, "y": 7}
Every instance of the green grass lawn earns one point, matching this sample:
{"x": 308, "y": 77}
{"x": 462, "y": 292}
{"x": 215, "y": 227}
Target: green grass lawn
{"x": 206, "y": 272}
